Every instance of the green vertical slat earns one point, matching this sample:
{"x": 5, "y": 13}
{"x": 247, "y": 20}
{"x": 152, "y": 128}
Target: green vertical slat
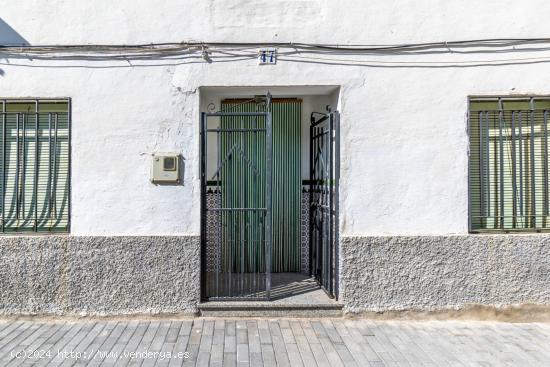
{"x": 279, "y": 215}
{"x": 287, "y": 184}
{"x": 286, "y": 162}
{"x": 299, "y": 184}
{"x": 298, "y": 187}
{"x": 287, "y": 156}
{"x": 275, "y": 188}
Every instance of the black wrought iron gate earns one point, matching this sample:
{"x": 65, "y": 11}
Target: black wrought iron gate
{"x": 236, "y": 169}
{"x": 324, "y": 187}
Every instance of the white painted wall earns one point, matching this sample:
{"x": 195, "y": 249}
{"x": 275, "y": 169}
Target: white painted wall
{"x": 404, "y": 139}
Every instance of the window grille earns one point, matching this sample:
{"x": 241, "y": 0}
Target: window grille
{"x": 508, "y": 166}
{"x": 35, "y": 161}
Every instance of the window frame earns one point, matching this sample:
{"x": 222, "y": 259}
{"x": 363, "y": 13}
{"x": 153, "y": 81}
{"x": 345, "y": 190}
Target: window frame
{"x": 495, "y": 98}
{"x": 37, "y": 100}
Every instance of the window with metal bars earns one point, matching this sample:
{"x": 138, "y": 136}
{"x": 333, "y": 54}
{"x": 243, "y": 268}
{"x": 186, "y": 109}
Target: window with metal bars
{"x": 508, "y": 165}
{"x": 35, "y": 162}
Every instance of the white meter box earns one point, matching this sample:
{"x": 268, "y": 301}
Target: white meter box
{"x": 166, "y": 168}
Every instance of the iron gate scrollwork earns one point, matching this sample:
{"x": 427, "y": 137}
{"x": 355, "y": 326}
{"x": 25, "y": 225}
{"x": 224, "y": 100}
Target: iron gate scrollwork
{"x": 236, "y": 165}
{"x": 324, "y": 190}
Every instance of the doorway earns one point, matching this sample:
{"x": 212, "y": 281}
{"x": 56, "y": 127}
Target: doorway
{"x": 257, "y": 206}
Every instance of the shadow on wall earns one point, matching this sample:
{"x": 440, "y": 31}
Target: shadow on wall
{"x": 9, "y": 36}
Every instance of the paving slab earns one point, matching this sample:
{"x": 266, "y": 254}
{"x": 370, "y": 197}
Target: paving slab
{"x": 273, "y": 342}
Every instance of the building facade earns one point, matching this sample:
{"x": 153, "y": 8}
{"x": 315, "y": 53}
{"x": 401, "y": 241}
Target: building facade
{"x": 434, "y": 210}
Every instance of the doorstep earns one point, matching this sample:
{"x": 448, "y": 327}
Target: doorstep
{"x": 268, "y": 309}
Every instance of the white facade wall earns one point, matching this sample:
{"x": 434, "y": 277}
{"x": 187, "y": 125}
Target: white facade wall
{"x": 404, "y": 137}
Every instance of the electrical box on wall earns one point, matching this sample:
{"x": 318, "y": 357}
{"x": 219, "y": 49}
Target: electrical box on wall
{"x": 166, "y": 168}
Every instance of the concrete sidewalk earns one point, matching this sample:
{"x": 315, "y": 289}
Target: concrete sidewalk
{"x": 271, "y": 342}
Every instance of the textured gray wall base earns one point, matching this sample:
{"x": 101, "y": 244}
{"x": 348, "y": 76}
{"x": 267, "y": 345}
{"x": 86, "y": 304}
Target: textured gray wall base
{"x": 99, "y": 275}
{"x": 444, "y": 272}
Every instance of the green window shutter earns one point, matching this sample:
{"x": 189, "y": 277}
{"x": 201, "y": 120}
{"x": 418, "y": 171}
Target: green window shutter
{"x": 34, "y": 153}
{"x": 509, "y": 164}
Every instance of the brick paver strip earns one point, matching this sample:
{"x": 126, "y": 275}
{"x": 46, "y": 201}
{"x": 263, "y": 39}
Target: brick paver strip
{"x": 274, "y": 342}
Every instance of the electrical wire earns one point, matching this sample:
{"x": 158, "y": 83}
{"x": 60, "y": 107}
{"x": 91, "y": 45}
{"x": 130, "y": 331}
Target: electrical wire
{"x": 183, "y": 46}
{"x": 442, "y": 62}
{"x": 352, "y": 47}
{"x": 331, "y": 54}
